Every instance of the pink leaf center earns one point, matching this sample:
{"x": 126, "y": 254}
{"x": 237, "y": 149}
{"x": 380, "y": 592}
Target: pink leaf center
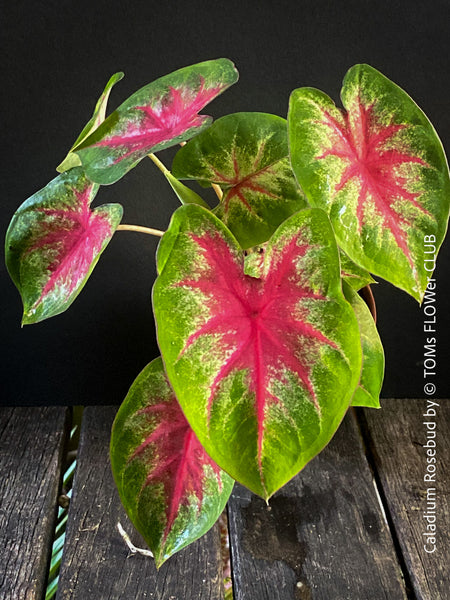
{"x": 180, "y": 458}
{"x": 174, "y": 114}
{"x": 373, "y": 159}
{"x": 68, "y": 240}
{"x": 258, "y": 322}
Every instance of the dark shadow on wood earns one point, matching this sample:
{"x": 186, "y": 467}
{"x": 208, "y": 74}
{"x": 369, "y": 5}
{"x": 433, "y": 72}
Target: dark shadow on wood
{"x": 32, "y": 444}
{"x": 395, "y": 437}
{"x": 323, "y": 536}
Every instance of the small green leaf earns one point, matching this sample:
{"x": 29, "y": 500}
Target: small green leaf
{"x": 263, "y": 367}
{"x": 254, "y": 261}
{"x": 246, "y": 154}
{"x": 185, "y": 195}
{"x": 379, "y": 171}
{"x": 354, "y": 275}
{"x": 54, "y": 242}
{"x": 72, "y": 160}
{"x": 172, "y": 491}
{"x": 371, "y": 381}
{"x": 159, "y": 115}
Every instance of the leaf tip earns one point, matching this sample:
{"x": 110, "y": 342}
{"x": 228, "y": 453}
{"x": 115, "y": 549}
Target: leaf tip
{"x": 72, "y": 160}
{"x": 28, "y": 317}
{"x": 159, "y": 561}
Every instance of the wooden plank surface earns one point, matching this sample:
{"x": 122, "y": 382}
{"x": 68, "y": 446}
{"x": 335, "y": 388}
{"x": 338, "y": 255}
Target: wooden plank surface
{"x": 403, "y": 436}
{"x": 322, "y": 537}
{"x": 96, "y": 562}
{"x": 31, "y": 451}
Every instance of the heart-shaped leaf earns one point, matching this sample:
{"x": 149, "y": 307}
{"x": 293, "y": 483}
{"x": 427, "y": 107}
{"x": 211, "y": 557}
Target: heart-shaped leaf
{"x": 159, "y": 115}
{"x": 54, "y": 241}
{"x": 246, "y": 154}
{"x": 378, "y": 169}
{"x": 72, "y": 160}
{"x": 369, "y": 388}
{"x": 264, "y": 368}
{"x": 172, "y": 491}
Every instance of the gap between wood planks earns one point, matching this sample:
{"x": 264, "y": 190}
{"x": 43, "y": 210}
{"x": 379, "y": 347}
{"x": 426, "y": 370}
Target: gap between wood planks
{"x": 369, "y": 449}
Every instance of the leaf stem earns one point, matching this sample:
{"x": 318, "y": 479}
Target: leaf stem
{"x": 216, "y": 187}
{"x": 140, "y": 229}
{"x": 161, "y": 166}
{"x": 133, "y": 549}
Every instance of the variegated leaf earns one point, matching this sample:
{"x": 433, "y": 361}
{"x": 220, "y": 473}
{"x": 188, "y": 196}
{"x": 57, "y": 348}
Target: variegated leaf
{"x": 172, "y": 491}
{"x": 371, "y": 381}
{"x": 246, "y": 154}
{"x": 72, "y": 160}
{"x": 378, "y": 169}
{"x": 54, "y": 241}
{"x": 159, "y": 115}
{"x": 264, "y": 368}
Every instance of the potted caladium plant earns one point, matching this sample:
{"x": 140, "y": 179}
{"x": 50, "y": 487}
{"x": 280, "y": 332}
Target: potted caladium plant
{"x": 265, "y": 341}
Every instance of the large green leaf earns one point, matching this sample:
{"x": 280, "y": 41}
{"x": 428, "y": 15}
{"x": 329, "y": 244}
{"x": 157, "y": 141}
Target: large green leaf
{"x": 72, "y": 160}
{"x": 159, "y": 115}
{"x": 369, "y": 388}
{"x": 54, "y": 241}
{"x": 246, "y": 154}
{"x": 378, "y": 169}
{"x": 172, "y": 491}
{"x": 264, "y": 368}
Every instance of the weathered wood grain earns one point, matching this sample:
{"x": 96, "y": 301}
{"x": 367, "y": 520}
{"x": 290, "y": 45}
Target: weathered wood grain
{"x": 31, "y": 451}
{"x": 397, "y": 438}
{"x": 96, "y": 562}
{"x": 322, "y": 537}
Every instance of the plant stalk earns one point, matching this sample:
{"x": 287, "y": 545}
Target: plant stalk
{"x": 216, "y": 187}
{"x": 161, "y": 166}
{"x": 140, "y": 229}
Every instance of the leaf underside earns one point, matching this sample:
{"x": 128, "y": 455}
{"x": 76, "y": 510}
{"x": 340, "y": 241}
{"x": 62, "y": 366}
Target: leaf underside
{"x": 379, "y": 171}
{"x": 369, "y": 387}
{"x": 159, "y": 115}
{"x": 54, "y": 241}
{"x": 247, "y": 155}
{"x": 264, "y": 368}
{"x": 171, "y": 489}
{"x": 72, "y": 160}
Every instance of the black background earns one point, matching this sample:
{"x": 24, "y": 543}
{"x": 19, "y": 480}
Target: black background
{"x": 56, "y": 57}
